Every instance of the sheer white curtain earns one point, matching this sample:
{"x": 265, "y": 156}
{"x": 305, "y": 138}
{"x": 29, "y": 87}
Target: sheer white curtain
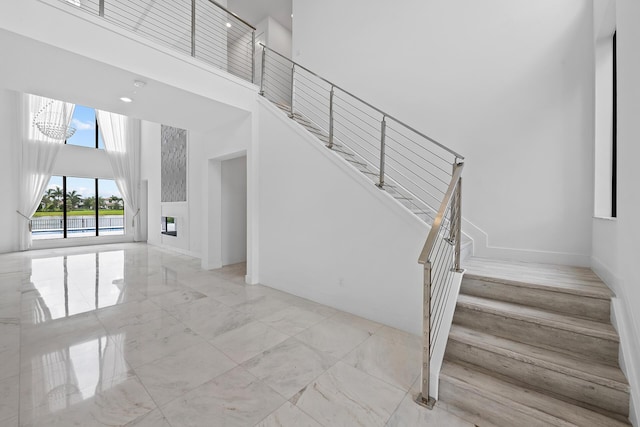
{"x": 121, "y": 136}
{"x": 39, "y": 153}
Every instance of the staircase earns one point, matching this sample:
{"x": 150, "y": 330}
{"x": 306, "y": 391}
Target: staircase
{"x": 532, "y": 345}
{"x": 418, "y": 208}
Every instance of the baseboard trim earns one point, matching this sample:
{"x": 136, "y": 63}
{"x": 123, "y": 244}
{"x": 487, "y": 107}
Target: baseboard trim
{"x": 482, "y": 248}
{"x": 629, "y": 357}
{"x": 174, "y": 249}
{"x": 623, "y": 321}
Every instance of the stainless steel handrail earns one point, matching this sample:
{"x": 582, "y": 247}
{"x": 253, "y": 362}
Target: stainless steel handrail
{"x": 437, "y": 223}
{"x": 387, "y": 115}
{"x": 452, "y": 205}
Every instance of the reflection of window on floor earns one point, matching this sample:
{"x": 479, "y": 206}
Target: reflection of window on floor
{"x": 79, "y": 207}
{"x": 64, "y": 286}
{"x": 61, "y": 287}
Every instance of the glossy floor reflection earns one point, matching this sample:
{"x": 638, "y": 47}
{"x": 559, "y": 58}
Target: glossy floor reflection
{"x": 132, "y": 335}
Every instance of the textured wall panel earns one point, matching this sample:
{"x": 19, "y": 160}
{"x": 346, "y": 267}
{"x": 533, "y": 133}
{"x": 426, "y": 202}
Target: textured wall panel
{"x": 174, "y": 164}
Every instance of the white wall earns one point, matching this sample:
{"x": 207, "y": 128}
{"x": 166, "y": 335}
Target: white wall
{"x": 270, "y": 33}
{"x": 150, "y": 172}
{"x": 279, "y": 37}
{"x": 330, "y": 235}
{"x": 229, "y": 141}
{"x": 200, "y": 218}
{"x": 9, "y": 161}
{"x": 615, "y": 243}
{"x": 234, "y": 210}
{"x": 506, "y": 83}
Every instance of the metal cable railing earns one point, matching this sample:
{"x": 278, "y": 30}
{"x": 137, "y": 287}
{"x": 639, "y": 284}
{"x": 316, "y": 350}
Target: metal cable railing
{"x": 418, "y": 166}
{"x": 202, "y": 29}
{"x": 421, "y": 173}
{"x": 441, "y": 259}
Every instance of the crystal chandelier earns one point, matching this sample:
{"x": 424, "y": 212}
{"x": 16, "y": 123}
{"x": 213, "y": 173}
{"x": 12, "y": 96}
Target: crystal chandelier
{"x": 53, "y": 126}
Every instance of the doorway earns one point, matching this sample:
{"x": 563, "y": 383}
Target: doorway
{"x": 234, "y": 210}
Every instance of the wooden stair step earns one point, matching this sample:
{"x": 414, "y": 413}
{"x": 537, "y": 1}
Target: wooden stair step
{"x": 487, "y": 399}
{"x": 581, "y": 302}
{"x": 586, "y": 338}
{"x": 569, "y": 279}
{"x": 582, "y": 381}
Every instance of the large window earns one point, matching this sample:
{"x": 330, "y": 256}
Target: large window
{"x": 86, "y": 125}
{"x": 79, "y": 207}
{"x": 605, "y": 194}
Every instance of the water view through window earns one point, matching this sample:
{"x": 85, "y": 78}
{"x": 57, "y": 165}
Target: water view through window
{"x": 79, "y": 207}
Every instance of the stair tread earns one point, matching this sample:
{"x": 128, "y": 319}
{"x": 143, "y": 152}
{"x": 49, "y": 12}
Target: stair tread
{"x": 356, "y": 162}
{"x": 538, "y": 405}
{"x": 597, "y": 373}
{"x": 540, "y": 317}
{"x": 561, "y": 278}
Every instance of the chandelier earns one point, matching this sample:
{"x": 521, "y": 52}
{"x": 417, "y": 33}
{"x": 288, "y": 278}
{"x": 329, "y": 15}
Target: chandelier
{"x": 53, "y": 124}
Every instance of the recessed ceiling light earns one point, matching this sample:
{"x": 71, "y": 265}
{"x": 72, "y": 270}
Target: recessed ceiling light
{"x": 139, "y": 83}
{"x": 228, "y": 24}
{"x": 292, "y": 15}
{"x": 125, "y": 99}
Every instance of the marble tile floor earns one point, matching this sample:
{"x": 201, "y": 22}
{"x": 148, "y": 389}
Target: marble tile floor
{"x": 134, "y": 335}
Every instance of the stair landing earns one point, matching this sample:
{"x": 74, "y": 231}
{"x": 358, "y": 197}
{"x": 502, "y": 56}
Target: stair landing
{"x": 561, "y": 277}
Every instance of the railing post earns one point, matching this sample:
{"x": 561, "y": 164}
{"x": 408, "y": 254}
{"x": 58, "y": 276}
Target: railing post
{"x": 458, "y": 225}
{"x": 293, "y": 74}
{"x": 264, "y": 58}
{"x": 193, "y": 28}
{"x": 330, "y": 145}
{"x": 423, "y": 398}
{"x": 253, "y": 56}
{"x": 101, "y": 8}
{"x": 383, "y": 135}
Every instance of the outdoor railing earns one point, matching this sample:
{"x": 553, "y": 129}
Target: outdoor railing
{"x": 202, "y": 29}
{"x": 77, "y": 223}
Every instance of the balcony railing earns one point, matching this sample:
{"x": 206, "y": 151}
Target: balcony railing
{"x": 202, "y": 29}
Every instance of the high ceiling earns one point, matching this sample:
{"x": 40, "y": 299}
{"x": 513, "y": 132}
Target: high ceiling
{"x": 254, "y": 11}
{"x": 100, "y": 85}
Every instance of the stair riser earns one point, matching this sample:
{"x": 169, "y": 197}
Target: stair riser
{"x": 576, "y": 389}
{"x": 576, "y": 305}
{"x": 482, "y": 410}
{"x": 570, "y": 342}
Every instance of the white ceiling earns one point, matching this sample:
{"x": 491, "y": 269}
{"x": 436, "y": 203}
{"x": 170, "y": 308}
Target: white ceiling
{"x": 45, "y": 70}
{"x": 254, "y": 11}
